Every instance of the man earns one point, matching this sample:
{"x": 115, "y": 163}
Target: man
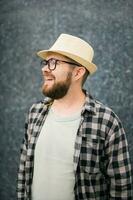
{"x": 74, "y": 146}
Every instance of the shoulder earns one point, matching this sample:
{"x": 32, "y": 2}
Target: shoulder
{"x": 107, "y": 117}
{"x": 106, "y": 112}
{"x": 38, "y": 106}
{"x": 100, "y": 112}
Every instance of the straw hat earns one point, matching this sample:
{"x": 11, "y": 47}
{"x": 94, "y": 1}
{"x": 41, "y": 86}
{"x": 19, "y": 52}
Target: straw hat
{"x": 74, "y": 48}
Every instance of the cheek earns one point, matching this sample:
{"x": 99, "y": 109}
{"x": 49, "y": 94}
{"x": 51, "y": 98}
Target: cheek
{"x": 60, "y": 75}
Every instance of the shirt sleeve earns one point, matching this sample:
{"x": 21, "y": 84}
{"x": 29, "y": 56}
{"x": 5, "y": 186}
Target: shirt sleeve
{"x": 21, "y": 168}
{"x": 118, "y": 165}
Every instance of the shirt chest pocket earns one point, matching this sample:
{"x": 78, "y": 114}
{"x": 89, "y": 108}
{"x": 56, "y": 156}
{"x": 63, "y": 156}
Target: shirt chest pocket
{"x": 92, "y": 154}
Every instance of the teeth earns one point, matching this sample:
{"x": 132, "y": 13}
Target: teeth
{"x": 48, "y": 79}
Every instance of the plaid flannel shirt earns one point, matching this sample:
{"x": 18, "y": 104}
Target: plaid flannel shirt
{"x": 101, "y": 159}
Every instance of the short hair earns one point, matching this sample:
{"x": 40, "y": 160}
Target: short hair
{"x": 86, "y": 74}
{"x": 86, "y": 71}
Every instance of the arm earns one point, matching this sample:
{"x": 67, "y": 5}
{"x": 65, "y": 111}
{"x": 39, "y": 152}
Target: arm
{"x": 21, "y": 169}
{"x": 118, "y": 165}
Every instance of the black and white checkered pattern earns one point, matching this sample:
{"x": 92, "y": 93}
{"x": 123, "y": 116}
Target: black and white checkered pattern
{"x": 101, "y": 159}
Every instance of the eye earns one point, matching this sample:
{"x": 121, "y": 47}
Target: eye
{"x": 52, "y": 61}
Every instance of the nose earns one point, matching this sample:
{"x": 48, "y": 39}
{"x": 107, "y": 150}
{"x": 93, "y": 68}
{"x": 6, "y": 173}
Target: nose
{"x": 45, "y": 69}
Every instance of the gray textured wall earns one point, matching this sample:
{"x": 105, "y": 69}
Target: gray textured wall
{"x": 30, "y": 25}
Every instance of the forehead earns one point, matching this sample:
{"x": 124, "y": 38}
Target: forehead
{"x": 56, "y": 55}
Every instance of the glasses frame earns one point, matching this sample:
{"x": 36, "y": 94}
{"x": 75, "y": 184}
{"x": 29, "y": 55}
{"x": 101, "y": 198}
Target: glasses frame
{"x": 47, "y": 62}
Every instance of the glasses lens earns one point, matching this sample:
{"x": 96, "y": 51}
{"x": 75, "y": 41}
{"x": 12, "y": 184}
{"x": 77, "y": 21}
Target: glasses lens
{"x": 52, "y": 63}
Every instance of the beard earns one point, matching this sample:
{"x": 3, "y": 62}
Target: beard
{"x": 59, "y": 89}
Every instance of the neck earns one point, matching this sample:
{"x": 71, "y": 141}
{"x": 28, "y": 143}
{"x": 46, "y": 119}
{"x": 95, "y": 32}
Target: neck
{"x": 70, "y": 103}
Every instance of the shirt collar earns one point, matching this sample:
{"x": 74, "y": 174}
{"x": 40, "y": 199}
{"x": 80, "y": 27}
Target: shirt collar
{"x": 89, "y": 104}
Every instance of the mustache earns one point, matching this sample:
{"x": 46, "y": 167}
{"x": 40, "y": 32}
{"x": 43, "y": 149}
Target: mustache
{"x": 47, "y": 74}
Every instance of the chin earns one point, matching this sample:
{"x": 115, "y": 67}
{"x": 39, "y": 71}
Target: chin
{"x": 46, "y": 89}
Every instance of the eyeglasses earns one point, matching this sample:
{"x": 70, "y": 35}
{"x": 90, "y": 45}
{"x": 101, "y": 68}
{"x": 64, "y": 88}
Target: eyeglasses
{"x": 52, "y": 62}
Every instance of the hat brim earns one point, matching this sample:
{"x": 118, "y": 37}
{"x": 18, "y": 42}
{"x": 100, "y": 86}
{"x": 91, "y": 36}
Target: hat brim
{"x": 91, "y": 67}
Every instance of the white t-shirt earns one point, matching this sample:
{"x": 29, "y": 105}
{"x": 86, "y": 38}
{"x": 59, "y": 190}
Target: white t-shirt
{"x": 53, "y": 177}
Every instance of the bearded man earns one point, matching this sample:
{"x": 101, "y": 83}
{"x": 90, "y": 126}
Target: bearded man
{"x": 75, "y": 147}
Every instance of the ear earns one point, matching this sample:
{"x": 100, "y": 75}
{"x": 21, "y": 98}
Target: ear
{"x": 79, "y": 73}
